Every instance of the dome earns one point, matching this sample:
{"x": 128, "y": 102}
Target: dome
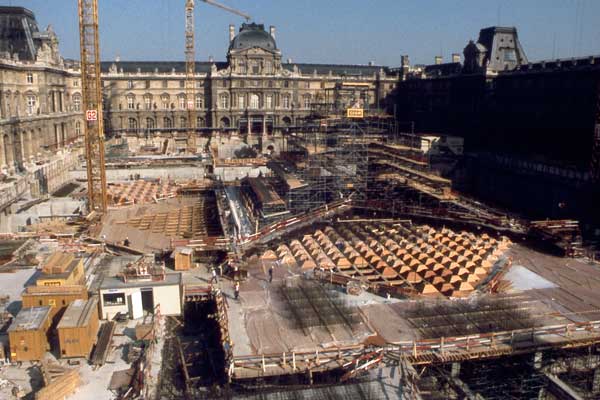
{"x": 253, "y": 35}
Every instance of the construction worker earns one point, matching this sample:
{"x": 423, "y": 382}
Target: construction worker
{"x": 271, "y": 273}
{"x": 126, "y": 242}
{"x": 236, "y": 290}
{"x": 215, "y": 278}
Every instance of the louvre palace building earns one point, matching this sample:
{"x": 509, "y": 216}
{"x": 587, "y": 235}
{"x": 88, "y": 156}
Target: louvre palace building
{"x": 253, "y": 93}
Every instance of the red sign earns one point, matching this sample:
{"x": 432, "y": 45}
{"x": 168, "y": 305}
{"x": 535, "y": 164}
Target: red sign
{"x": 91, "y": 115}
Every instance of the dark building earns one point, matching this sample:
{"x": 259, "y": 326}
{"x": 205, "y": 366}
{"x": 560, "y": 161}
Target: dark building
{"x": 531, "y": 129}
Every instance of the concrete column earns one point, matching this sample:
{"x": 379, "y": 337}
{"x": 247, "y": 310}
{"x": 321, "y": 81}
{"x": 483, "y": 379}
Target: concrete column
{"x": 2, "y": 151}
{"x": 23, "y": 139}
{"x": 249, "y": 127}
{"x": 9, "y": 151}
{"x": 264, "y": 122}
{"x": 455, "y": 372}
{"x": 28, "y": 145}
{"x": 537, "y": 360}
{"x": 596, "y": 381}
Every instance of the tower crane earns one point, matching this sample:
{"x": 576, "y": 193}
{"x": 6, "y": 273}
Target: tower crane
{"x": 190, "y": 65}
{"x": 92, "y": 104}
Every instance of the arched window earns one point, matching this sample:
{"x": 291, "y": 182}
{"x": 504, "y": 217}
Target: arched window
{"x": 254, "y": 101}
{"x": 150, "y": 123}
{"x": 31, "y": 102}
{"x": 224, "y": 122}
{"x": 306, "y": 100}
{"x": 200, "y": 123}
{"x": 77, "y": 102}
{"x": 286, "y": 121}
{"x": 130, "y": 102}
{"x": 164, "y": 99}
{"x": 224, "y": 101}
{"x": 181, "y": 100}
{"x": 147, "y": 102}
{"x": 183, "y": 122}
{"x": 167, "y": 123}
{"x": 133, "y": 124}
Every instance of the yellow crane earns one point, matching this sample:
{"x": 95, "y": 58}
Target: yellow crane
{"x": 92, "y": 105}
{"x": 91, "y": 84}
{"x": 190, "y": 65}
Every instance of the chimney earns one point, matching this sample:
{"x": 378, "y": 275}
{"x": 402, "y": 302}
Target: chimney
{"x": 438, "y": 60}
{"x": 272, "y": 31}
{"x": 211, "y": 59}
{"x": 231, "y": 32}
{"x": 455, "y": 57}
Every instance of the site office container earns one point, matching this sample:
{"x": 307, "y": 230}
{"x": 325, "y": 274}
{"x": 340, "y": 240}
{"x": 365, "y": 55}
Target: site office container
{"x": 78, "y": 328}
{"x": 28, "y": 334}
{"x": 57, "y": 297}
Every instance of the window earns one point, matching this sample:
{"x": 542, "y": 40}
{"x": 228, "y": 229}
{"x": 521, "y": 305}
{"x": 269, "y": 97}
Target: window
{"x": 150, "y": 123}
{"x": 165, "y": 84}
{"x": 270, "y": 84}
{"x": 286, "y": 84}
{"x": 29, "y": 78}
{"x": 76, "y": 102}
{"x": 199, "y": 103}
{"x": 181, "y": 84}
{"x": 269, "y": 102}
{"x": 200, "y": 122}
{"x": 241, "y": 101}
{"x": 129, "y": 84}
{"x": 242, "y": 67}
{"x": 147, "y": 102}
{"x": 30, "y": 104}
{"x": 242, "y": 84}
{"x": 255, "y": 67}
{"x": 76, "y": 83}
{"x": 224, "y": 101}
{"x": 269, "y": 67}
{"x": 183, "y": 122}
{"x": 130, "y": 102}
{"x": 113, "y": 299}
{"x": 306, "y": 101}
{"x": 167, "y": 122}
{"x": 165, "y": 101}
{"x": 286, "y": 101}
{"x": 181, "y": 102}
{"x": 254, "y": 101}
{"x": 147, "y": 84}
{"x": 133, "y": 123}
{"x": 78, "y": 128}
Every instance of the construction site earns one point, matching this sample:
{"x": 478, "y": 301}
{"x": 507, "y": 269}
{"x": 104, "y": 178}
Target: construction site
{"x": 337, "y": 261}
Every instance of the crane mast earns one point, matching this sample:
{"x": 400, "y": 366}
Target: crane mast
{"x": 190, "y": 72}
{"x": 190, "y": 66}
{"x": 92, "y": 105}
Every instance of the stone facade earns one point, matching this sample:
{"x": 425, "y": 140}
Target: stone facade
{"x": 40, "y": 98}
{"x": 253, "y": 93}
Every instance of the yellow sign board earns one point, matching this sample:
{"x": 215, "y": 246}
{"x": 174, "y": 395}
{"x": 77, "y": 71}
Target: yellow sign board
{"x": 355, "y": 113}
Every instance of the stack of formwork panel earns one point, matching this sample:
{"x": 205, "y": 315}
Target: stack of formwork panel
{"x": 140, "y": 192}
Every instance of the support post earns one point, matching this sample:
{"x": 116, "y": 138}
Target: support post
{"x": 455, "y": 370}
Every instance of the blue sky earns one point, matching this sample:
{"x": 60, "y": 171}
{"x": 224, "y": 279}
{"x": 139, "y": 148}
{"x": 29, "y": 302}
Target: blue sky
{"x": 331, "y": 31}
